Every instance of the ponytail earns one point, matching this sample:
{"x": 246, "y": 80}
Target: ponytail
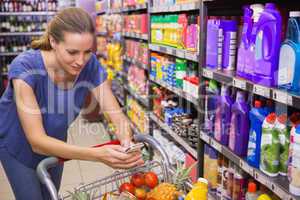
{"x": 42, "y": 43}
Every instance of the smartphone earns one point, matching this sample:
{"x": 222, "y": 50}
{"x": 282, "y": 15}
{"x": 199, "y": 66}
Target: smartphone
{"x": 134, "y": 147}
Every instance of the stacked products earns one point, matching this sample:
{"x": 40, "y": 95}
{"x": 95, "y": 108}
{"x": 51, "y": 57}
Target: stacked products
{"x": 27, "y": 5}
{"x": 137, "y": 51}
{"x": 115, "y": 4}
{"x": 111, "y": 24}
{"x": 179, "y": 31}
{"x": 137, "y": 23}
{"x": 175, "y": 72}
{"x": 137, "y": 114}
{"x": 101, "y": 6}
{"x": 130, "y": 3}
{"x": 159, "y": 3}
{"x": 15, "y": 44}
{"x": 13, "y": 24}
{"x": 137, "y": 80}
{"x": 259, "y": 134}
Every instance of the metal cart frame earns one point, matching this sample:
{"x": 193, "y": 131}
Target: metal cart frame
{"x": 164, "y": 168}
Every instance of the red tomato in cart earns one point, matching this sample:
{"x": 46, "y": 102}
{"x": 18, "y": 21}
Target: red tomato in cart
{"x": 137, "y": 179}
{"x": 127, "y": 187}
{"x": 151, "y": 179}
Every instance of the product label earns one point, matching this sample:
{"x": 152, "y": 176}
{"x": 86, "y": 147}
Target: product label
{"x": 252, "y": 144}
{"x": 232, "y": 133}
{"x": 287, "y": 62}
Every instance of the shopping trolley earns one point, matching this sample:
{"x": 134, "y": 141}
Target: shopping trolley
{"x": 97, "y": 189}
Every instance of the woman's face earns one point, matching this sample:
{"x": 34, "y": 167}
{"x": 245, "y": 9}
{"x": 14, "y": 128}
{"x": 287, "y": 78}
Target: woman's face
{"x": 74, "y": 52}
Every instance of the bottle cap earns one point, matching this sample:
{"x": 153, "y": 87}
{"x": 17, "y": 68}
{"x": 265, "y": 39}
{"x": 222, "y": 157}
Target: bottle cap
{"x": 271, "y": 118}
{"x": 251, "y": 187}
{"x": 203, "y": 180}
{"x": 295, "y": 14}
{"x": 257, "y": 104}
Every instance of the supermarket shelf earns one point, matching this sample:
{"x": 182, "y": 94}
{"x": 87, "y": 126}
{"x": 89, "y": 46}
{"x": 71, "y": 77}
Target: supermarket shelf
{"x": 115, "y": 11}
{"x": 133, "y": 61}
{"x": 21, "y": 33}
{"x": 102, "y": 34}
{"x": 278, "y": 185}
{"x": 10, "y": 53}
{"x": 178, "y": 91}
{"x": 101, "y": 12}
{"x": 141, "y": 99}
{"x": 135, "y": 8}
{"x": 175, "y": 52}
{"x": 176, "y": 8}
{"x": 229, "y": 78}
{"x": 177, "y": 138}
{"x": 26, "y": 13}
{"x": 135, "y": 35}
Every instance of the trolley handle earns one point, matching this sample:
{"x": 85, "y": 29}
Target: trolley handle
{"x": 47, "y": 163}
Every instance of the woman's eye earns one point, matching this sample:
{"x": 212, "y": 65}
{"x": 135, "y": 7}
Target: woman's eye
{"x": 72, "y": 52}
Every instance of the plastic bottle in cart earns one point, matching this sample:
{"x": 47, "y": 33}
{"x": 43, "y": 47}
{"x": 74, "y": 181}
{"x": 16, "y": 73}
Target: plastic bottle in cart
{"x": 199, "y": 190}
{"x": 257, "y": 116}
{"x": 289, "y": 58}
{"x": 270, "y": 147}
{"x": 239, "y": 130}
{"x": 294, "y": 161}
{"x": 229, "y": 44}
{"x": 252, "y": 191}
{"x": 267, "y": 46}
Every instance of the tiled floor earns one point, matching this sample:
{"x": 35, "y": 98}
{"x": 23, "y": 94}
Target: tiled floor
{"x": 75, "y": 172}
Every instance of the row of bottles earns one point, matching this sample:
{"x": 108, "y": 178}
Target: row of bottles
{"x": 27, "y": 5}
{"x": 4, "y": 63}
{"x": 23, "y": 23}
{"x": 15, "y": 44}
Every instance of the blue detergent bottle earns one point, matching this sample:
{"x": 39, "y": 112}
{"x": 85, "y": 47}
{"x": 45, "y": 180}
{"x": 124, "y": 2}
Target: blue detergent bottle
{"x": 257, "y": 116}
{"x": 289, "y": 58}
{"x": 267, "y": 46}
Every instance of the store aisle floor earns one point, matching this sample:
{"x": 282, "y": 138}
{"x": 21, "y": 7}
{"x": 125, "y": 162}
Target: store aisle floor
{"x": 75, "y": 172}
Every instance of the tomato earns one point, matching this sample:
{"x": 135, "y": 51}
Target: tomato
{"x": 151, "y": 179}
{"x": 137, "y": 180}
{"x": 127, "y": 187}
{"x": 140, "y": 193}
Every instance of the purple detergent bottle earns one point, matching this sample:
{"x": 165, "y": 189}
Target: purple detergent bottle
{"x": 267, "y": 46}
{"x": 214, "y": 44}
{"x": 229, "y": 44}
{"x": 223, "y": 116}
{"x": 239, "y": 130}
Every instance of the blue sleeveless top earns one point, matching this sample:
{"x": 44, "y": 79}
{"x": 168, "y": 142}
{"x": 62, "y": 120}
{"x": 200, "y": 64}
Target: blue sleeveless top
{"x": 59, "y": 107}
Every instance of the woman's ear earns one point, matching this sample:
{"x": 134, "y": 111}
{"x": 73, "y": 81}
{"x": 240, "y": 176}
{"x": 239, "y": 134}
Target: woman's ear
{"x": 53, "y": 42}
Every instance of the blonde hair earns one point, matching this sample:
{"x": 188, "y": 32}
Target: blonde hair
{"x": 72, "y": 20}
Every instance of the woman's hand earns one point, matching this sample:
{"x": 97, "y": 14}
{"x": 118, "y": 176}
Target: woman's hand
{"x": 115, "y": 157}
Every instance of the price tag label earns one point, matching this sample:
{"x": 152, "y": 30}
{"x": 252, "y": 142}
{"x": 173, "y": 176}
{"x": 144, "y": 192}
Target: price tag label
{"x": 180, "y": 53}
{"x": 290, "y": 100}
{"x": 145, "y": 36}
{"x": 280, "y": 192}
{"x": 246, "y": 167}
{"x": 239, "y": 83}
{"x": 216, "y": 145}
{"x": 163, "y": 49}
{"x": 280, "y": 96}
{"x": 208, "y": 74}
{"x": 260, "y": 90}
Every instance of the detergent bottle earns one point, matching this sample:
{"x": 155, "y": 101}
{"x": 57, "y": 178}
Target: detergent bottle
{"x": 267, "y": 46}
{"x": 239, "y": 130}
{"x": 289, "y": 57}
{"x": 199, "y": 190}
{"x": 257, "y": 116}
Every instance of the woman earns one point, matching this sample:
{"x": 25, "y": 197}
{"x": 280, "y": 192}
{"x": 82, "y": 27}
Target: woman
{"x": 47, "y": 88}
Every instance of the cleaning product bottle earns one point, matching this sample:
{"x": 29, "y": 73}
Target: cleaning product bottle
{"x": 264, "y": 197}
{"x": 284, "y": 140}
{"x": 251, "y": 193}
{"x": 199, "y": 190}
{"x": 257, "y": 115}
{"x": 212, "y": 92}
{"x": 181, "y": 66}
{"x": 270, "y": 147}
{"x": 229, "y": 44}
{"x": 239, "y": 130}
{"x": 223, "y": 117}
{"x": 267, "y": 46}
{"x": 294, "y": 161}
{"x": 247, "y": 50}
{"x": 214, "y": 44}
{"x": 289, "y": 58}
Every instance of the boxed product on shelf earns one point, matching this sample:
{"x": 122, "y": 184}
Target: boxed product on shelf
{"x": 115, "y": 4}
{"x": 101, "y": 6}
{"x": 137, "y": 80}
{"x": 137, "y": 114}
{"x": 129, "y": 3}
{"x": 176, "y": 30}
{"x": 137, "y": 51}
{"x": 136, "y": 23}
{"x": 158, "y": 3}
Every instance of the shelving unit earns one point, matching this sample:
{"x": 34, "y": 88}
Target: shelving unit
{"x": 135, "y": 36}
{"x": 135, "y": 8}
{"x": 10, "y": 53}
{"x": 133, "y": 61}
{"x": 21, "y": 33}
{"x": 26, "y": 13}
{"x": 176, "y": 8}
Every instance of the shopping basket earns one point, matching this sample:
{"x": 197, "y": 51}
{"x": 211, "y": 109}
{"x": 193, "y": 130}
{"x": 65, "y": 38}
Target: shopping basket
{"x": 99, "y": 188}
